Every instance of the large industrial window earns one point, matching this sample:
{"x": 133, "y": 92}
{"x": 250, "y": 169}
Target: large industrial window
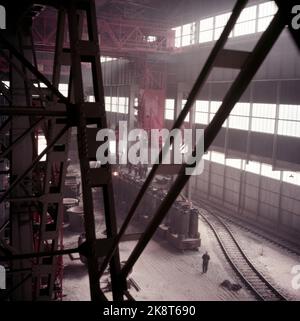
{"x": 266, "y": 12}
{"x": 289, "y": 120}
{"x": 91, "y": 99}
{"x": 188, "y": 34}
{"x": 106, "y": 59}
{"x": 187, "y": 118}
{"x": 169, "y": 109}
{"x": 246, "y": 22}
{"x": 207, "y": 156}
{"x": 136, "y": 106}
{"x": 116, "y": 104}
{"x": 42, "y": 144}
{"x": 201, "y": 112}
{"x": 123, "y": 105}
{"x": 289, "y": 128}
{"x": 220, "y": 22}
{"x": 206, "y": 30}
{"x": 177, "y": 36}
{"x": 214, "y": 107}
{"x": 239, "y": 117}
{"x": 63, "y": 88}
{"x": 218, "y": 157}
{"x": 252, "y": 19}
{"x": 185, "y": 35}
{"x": 233, "y": 162}
{"x": 253, "y": 167}
{"x": 267, "y": 170}
{"x": 290, "y": 177}
{"x": 108, "y": 103}
{"x": 263, "y": 118}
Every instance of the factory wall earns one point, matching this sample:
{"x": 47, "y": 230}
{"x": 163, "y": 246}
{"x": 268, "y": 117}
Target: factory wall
{"x": 267, "y": 203}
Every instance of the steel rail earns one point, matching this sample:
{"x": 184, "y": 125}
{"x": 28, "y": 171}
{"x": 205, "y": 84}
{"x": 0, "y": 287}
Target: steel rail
{"x": 237, "y": 268}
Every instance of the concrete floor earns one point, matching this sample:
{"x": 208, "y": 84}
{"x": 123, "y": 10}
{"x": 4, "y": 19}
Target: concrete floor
{"x": 275, "y": 262}
{"x": 163, "y": 273}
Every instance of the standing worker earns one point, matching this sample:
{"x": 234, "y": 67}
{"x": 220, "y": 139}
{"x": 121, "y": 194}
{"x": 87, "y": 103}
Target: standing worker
{"x": 205, "y": 259}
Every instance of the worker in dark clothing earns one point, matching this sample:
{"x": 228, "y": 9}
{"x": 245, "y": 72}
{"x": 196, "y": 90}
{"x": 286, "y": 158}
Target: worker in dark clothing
{"x": 205, "y": 259}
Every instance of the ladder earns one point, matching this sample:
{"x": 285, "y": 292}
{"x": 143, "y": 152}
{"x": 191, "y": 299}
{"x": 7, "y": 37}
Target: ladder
{"x": 90, "y": 117}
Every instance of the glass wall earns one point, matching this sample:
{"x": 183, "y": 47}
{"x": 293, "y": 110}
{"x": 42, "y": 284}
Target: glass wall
{"x": 253, "y": 19}
{"x": 256, "y": 117}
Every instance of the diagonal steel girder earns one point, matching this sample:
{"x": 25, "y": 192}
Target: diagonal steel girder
{"x": 34, "y": 162}
{"x": 33, "y": 69}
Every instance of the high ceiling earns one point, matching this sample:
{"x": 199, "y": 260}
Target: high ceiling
{"x": 166, "y": 12}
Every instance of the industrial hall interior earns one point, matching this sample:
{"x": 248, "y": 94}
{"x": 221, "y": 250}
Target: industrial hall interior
{"x": 149, "y": 150}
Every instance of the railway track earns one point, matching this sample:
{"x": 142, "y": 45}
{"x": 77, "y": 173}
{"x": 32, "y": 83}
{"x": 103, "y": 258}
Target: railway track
{"x": 250, "y": 275}
{"x": 272, "y": 239}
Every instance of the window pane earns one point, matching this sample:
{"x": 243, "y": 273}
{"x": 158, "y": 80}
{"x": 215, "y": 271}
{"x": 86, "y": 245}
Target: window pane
{"x": 267, "y": 9}
{"x": 202, "y": 106}
{"x": 290, "y": 177}
{"x": 187, "y": 40}
{"x": 114, "y": 103}
{"x": 264, "y": 110}
{"x": 266, "y": 170}
{"x": 214, "y": 106}
{"x": 263, "y": 23}
{"x": 122, "y": 109}
{"x": 218, "y": 32}
{"x": 107, "y": 103}
{"x": 253, "y": 167}
{"x": 42, "y": 144}
{"x": 247, "y": 14}
{"x": 289, "y": 128}
{"x": 238, "y": 122}
{"x": 206, "y": 24}
{"x": 122, "y": 101}
{"x": 177, "y": 36}
{"x": 291, "y": 112}
{"x": 187, "y": 118}
{"x": 244, "y": 28}
{"x": 206, "y": 156}
{"x": 242, "y": 109}
{"x": 177, "y": 31}
{"x": 91, "y": 99}
{"x": 217, "y": 157}
{"x": 63, "y": 88}
{"x": 263, "y": 125}
{"x": 177, "y": 42}
{"x": 221, "y": 20}
{"x": 170, "y": 104}
{"x": 188, "y": 29}
{"x": 169, "y": 109}
{"x": 205, "y": 36}
{"x": 201, "y": 118}
{"x": 169, "y": 114}
{"x": 232, "y": 162}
